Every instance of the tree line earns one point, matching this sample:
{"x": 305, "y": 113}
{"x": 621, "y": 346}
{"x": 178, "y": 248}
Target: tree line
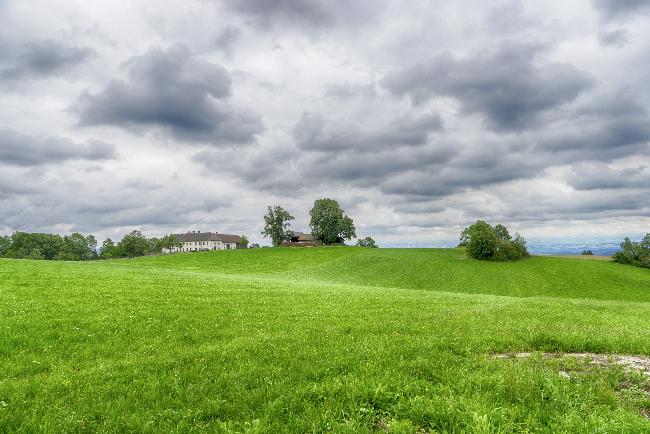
{"x": 79, "y": 247}
{"x": 327, "y": 220}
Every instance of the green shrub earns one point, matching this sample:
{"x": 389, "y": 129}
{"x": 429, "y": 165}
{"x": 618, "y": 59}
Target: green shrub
{"x": 634, "y": 253}
{"x": 485, "y": 242}
{"x": 367, "y": 242}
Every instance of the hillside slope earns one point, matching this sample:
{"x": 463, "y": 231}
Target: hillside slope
{"x": 445, "y": 270}
{"x": 314, "y": 340}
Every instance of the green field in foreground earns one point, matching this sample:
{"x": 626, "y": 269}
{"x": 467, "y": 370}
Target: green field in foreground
{"x": 313, "y": 340}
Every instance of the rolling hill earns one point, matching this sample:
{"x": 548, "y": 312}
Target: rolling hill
{"x": 326, "y": 339}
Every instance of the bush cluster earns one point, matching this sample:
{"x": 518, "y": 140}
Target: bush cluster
{"x": 634, "y": 253}
{"x": 367, "y": 242}
{"x": 485, "y": 242}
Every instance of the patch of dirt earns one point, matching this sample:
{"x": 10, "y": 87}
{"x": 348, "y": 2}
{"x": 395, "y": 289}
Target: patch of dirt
{"x": 631, "y": 365}
{"x": 628, "y": 362}
{"x": 587, "y": 257}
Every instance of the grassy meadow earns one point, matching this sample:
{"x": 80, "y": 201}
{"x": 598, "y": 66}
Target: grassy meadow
{"x": 316, "y": 340}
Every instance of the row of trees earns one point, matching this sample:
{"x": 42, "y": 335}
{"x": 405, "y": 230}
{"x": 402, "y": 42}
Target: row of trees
{"x": 327, "y": 220}
{"x": 73, "y": 247}
{"x": 634, "y": 253}
{"x": 485, "y": 242}
{"x": 136, "y": 244}
{"x": 78, "y": 247}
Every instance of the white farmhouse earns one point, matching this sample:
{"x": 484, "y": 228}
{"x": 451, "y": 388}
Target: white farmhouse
{"x": 197, "y": 241}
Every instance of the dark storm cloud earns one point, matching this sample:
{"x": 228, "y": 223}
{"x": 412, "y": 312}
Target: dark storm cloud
{"x": 174, "y": 90}
{"x": 461, "y": 174}
{"x": 610, "y": 139}
{"x": 582, "y": 206}
{"x": 313, "y": 132}
{"x": 508, "y": 87}
{"x": 620, "y": 8}
{"x": 227, "y": 39}
{"x": 40, "y": 59}
{"x": 312, "y": 12}
{"x": 606, "y": 127}
{"x": 616, "y": 38}
{"x": 347, "y": 91}
{"x": 308, "y": 16}
{"x": 14, "y": 181}
{"x": 367, "y": 169}
{"x": 25, "y": 150}
{"x": 602, "y": 176}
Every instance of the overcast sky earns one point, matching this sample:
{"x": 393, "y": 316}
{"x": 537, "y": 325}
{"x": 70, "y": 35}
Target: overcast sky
{"x": 419, "y": 117}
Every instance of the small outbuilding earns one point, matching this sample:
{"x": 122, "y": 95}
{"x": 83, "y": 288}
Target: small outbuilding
{"x": 300, "y": 239}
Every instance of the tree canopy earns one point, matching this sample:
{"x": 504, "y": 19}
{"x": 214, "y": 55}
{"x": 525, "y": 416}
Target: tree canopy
{"x": 133, "y": 244}
{"x": 329, "y": 223}
{"x": 109, "y": 250}
{"x": 276, "y": 224}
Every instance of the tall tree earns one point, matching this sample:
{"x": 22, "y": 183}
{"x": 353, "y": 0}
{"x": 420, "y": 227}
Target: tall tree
{"x": 134, "y": 244}
{"x": 76, "y": 248}
{"x": 92, "y": 246}
{"x": 276, "y": 224}
{"x": 109, "y": 250}
{"x": 5, "y": 244}
{"x": 329, "y": 223}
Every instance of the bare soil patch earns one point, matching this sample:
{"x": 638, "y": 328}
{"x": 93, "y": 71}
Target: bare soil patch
{"x": 628, "y": 362}
{"x": 586, "y": 257}
{"x": 633, "y": 388}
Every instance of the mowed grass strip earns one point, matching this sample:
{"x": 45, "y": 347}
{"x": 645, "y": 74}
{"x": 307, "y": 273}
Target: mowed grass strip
{"x": 212, "y": 342}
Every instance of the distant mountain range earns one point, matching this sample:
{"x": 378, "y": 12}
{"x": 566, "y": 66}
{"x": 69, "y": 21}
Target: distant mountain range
{"x": 600, "y": 248}
{"x": 604, "y": 247}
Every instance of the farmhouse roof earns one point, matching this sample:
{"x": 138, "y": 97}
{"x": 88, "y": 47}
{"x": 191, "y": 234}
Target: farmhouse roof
{"x": 229, "y": 238}
{"x": 190, "y": 237}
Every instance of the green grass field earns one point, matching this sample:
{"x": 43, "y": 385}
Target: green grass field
{"x": 314, "y": 340}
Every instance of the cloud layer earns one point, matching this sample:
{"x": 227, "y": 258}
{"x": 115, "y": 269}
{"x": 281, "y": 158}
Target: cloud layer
{"x": 419, "y": 119}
